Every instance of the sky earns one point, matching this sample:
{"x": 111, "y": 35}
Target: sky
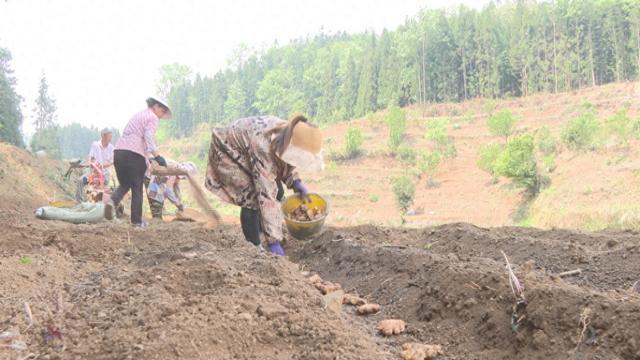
{"x": 101, "y": 57}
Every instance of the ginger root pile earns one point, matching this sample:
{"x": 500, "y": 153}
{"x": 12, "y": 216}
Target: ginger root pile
{"x": 304, "y": 213}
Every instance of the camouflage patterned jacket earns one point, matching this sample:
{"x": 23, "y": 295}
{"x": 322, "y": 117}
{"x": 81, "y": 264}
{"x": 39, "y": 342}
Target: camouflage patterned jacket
{"x": 242, "y": 171}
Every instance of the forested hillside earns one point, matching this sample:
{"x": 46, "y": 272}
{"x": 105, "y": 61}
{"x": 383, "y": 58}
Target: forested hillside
{"x": 513, "y": 49}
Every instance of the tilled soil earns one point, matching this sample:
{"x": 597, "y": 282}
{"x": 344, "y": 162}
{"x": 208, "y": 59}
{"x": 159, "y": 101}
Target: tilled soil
{"x": 450, "y": 285}
{"x": 172, "y": 291}
{"x": 180, "y": 290}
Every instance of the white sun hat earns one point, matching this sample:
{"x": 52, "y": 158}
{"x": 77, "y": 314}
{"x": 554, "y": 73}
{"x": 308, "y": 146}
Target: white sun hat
{"x": 160, "y": 100}
{"x": 305, "y": 148}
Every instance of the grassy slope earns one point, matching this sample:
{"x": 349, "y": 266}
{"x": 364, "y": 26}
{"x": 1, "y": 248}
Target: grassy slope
{"x": 589, "y": 190}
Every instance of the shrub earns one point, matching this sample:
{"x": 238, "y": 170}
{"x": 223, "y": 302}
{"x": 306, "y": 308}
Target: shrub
{"x": 427, "y": 163}
{"x": 518, "y": 162}
{"x": 501, "y": 123}
{"x": 450, "y": 151}
{"x": 406, "y": 154}
{"x": 488, "y": 155}
{"x": 490, "y": 106}
{"x": 404, "y": 191}
{"x": 353, "y": 143}
{"x": 549, "y": 163}
{"x": 437, "y": 131}
{"x": 619, "y": 126}
{"x": 373, "y": 120}
{"x": 581, "y": 132}
{"x": 396, "y": 120}
{"x": 331, "y": 167}
{"x": 545, "y": 142}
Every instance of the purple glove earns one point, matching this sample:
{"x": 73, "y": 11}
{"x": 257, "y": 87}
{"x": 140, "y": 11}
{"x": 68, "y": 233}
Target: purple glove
{"x": 276, "y": 248}
{"x": 299, "y": 187}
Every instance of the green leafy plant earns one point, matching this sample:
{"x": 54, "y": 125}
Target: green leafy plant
{"x": 450, "y": 151}
{"x": 580, "y": 133}
{"x": 406, "y": 154}
{"x": 545, "y": 142}
{"x": 489, "y": 106}
{"x": 25, "y": 260}
{"x": 488, "y": 156}
{"x": 518, "y": 162}
{"x": 374, "y": 198}
{"x": 353, "y": 143}
{"x": 396, "y": 120}
{"x": 620, "y": 127}
{"x": 502, "y": 123}
{"x": 373, "y": 120}
{"x": 437, "y": 131}
{"x": 427, "y": 163}
{"x": 331, "y": 167}
{"x": 549, "y": 163}
{"x": 404, "y": 190}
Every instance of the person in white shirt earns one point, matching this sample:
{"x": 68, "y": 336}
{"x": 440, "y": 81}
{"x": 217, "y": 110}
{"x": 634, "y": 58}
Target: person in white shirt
{"x": 101, "y": 153}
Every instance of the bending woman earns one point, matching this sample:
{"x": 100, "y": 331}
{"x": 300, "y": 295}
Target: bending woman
{"x": 250, "y": 159}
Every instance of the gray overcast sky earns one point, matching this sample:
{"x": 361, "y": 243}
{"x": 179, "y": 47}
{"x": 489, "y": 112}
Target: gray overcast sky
{"x": 101, "y": 57}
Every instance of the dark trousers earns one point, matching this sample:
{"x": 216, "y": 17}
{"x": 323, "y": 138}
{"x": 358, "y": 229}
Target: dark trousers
{"x": 250, "y": 222}
{"x": 130, "y": 170}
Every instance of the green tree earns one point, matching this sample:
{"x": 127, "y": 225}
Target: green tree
{"x": 183, "y": 118}
{"x": 353, "y": 143}
{"x": 48, "y": 140}
{"x": 10, "y": 113}
{"x": 404, "y": 190}
{"x": 47, "y": 136}
{"x": 396, "y": 121}
{"x": 234, "y": 106}
{"x": 580, "y": 133}
{"x": 545, "y": 142}
{"x": 171, "y": 75}
{"x": 501, "y": 123}
{"x": 428, "y": 163}
{"x": 276, "y": 94}
{"x": 488, "y": 156}
{"x": 45, "y": 109}
{"x": 518, "y": 162}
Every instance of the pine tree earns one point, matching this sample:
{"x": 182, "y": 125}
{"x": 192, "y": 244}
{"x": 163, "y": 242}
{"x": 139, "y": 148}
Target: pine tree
{"x": 10, "y": 113}
{"x": 234, "y": 106}
{"x": 45, "y": 109}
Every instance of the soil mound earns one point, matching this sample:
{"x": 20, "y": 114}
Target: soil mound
{"x": 450, "y": 285}
{"x": 170, "y": 291}
{"x": 28, "y": 181}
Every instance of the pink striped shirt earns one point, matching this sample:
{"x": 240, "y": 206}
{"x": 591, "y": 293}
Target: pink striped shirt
{"x": 139, "y": 135}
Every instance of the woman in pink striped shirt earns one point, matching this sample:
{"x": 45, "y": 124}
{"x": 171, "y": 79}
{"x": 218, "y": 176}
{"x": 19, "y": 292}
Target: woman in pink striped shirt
{"x": 136, "y": 144}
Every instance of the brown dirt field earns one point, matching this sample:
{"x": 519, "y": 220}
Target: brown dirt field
{"x": 180, "y": 290}
{"x": 167, "y": 292}
{"x": 456, "y": 293}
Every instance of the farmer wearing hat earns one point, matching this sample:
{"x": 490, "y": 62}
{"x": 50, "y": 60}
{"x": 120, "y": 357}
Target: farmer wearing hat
{"x": 250, "y": 159}
{"x": 134, "y": 149}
